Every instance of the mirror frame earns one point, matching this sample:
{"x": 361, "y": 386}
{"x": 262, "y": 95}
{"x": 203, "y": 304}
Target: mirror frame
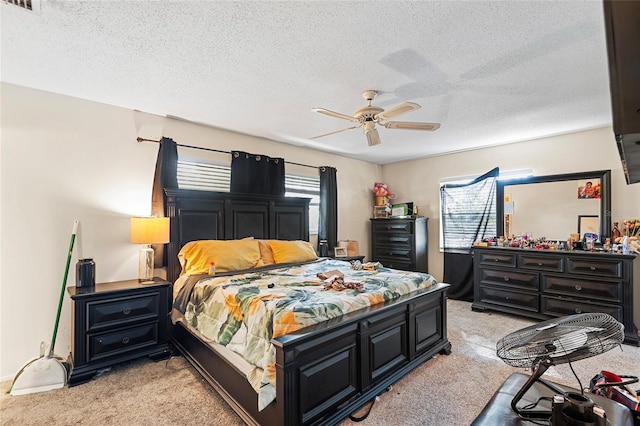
{"x": 605, "y": 195}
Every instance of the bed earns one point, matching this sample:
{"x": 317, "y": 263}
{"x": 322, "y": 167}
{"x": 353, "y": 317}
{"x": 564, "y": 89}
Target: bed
{"x": 324, "y": 371}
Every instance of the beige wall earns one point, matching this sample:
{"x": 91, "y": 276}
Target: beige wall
{"x": 65, "y": 158}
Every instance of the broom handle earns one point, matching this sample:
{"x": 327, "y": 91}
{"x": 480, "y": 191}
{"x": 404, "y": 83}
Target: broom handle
{"x": 64, "y": 284}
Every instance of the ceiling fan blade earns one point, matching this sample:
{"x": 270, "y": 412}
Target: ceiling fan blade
{"x": 373, "y": 138}
{"x": 331, "y": 133}
{"x": 410, "y": 125}
{"x": 335, "y": 114}
{"x": 397, "y": 110}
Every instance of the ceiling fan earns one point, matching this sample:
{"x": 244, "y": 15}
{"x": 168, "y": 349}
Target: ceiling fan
{"x": 368, "y": 116}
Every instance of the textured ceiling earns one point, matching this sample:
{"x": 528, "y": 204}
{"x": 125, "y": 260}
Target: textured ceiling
{"x": 491, "y": 72}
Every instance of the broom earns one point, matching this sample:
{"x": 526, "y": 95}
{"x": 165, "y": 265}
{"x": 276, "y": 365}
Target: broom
{"x": 46, "y": 372}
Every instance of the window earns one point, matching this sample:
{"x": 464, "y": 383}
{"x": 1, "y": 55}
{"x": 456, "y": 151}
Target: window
{"x": 306, "y": 187}
{"x": 211, "y": 177}
{"x": 203, "y": 177}
{"x": 467, "y": 206}
{"x": 468, "y": 212}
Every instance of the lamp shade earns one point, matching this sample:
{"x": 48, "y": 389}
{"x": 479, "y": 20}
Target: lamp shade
{"x": 149, "y": 230}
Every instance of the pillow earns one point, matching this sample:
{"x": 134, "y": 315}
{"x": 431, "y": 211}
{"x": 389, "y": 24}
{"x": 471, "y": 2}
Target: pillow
{"x": 228, "y": 255}
{"x": 266, "y": 254}
{"x": 292, "y": 251}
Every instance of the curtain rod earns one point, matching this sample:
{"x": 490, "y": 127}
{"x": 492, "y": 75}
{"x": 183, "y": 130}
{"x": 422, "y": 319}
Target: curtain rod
{"x": 139, "y": 139}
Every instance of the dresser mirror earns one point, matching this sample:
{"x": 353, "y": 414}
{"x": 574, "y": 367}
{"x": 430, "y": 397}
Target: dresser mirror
{"x": 552, "y": 206}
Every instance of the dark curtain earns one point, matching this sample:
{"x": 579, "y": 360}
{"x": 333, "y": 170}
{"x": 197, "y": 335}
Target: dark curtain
{"x": 166, "y": 176}
{"x": 458, "y": 271}
{"x": 256, "y": 174}
{"x": 468, "y": 215}
{"x": 328, "y": 221}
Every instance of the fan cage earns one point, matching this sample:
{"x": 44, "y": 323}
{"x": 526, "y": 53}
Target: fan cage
{"x": 562, "y": 340}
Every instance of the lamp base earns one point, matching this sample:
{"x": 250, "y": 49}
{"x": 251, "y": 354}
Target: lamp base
{"x": 145, "y": 265}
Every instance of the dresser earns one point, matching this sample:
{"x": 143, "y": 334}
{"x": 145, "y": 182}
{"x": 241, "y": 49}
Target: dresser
{"x": 400, "y": 242}
{"x": 115, "y": 322}
{"x": 544, "y": 284}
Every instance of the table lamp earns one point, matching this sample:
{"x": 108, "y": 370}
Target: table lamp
{"x": 147, "y": 231}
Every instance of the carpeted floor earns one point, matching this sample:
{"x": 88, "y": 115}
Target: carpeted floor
{"x": 446, "y": 390}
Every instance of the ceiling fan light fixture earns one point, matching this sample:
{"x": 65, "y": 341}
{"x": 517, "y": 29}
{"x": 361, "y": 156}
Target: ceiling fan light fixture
{"x": 373, "y": 138}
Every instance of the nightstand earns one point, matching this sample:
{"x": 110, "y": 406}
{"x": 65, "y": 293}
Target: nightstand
{"x": 115, "y": 322}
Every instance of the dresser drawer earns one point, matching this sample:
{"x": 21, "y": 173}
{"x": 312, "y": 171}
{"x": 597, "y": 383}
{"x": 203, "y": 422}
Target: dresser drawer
{"x": 121, "y": 341}
{"x": 395, "y": 262}
{"x": 393, "y": 240}
{"x": 400, "y": 253}
{"x": 557, "y": 307}
{"x": 497, "y": 259}
{"x": 541, "y": 263}
{"x": 509, "y": 278}
{"x": 393, "y": 225}
{"x": 511, "y": 299}
{"x": 122, "y": 310}
{"x": 605, "y": 268}
{"x": 595, "y": 290}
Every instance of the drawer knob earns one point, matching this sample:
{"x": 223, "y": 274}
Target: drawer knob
{"x": 125, "y": 340}
{"x": 496, "y": 259}
{"x": 539, "y": 263}
{"x": 578, "y": 311}
{"x": 126, "y": 311}
{"x": 578, "y": 287}
{"x": 593, "y": 268}
{"x": 506, "y": 278}
{"x": 506, "y": 298}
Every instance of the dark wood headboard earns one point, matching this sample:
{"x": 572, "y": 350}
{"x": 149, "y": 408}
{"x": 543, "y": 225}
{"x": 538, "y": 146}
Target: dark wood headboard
{"x": 208, "y": 215}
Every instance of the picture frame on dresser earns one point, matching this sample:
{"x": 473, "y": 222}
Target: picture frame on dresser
{"x": 340, "y": 252}
{"x": 588, "y": 224}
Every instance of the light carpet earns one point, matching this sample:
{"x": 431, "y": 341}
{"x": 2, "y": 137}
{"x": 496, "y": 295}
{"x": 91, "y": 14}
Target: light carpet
{"x": 446, "y": 390}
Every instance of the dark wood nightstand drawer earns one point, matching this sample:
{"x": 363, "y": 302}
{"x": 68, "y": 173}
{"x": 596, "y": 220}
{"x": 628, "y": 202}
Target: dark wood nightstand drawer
{"x": 122, "y": 341}
{"x": 122, "y": 310}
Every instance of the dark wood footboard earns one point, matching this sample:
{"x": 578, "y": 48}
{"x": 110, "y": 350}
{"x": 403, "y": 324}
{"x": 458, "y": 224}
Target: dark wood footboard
{"x": 328, "y": 371}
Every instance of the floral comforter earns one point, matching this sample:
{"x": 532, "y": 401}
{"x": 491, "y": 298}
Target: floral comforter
{"x": 244, "y": 312}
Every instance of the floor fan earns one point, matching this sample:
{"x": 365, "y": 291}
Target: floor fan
{"x": 558, "y": 341}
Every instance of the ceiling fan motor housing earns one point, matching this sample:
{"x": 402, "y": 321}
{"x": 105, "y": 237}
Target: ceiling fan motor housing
{"x": 367, "y": 113}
